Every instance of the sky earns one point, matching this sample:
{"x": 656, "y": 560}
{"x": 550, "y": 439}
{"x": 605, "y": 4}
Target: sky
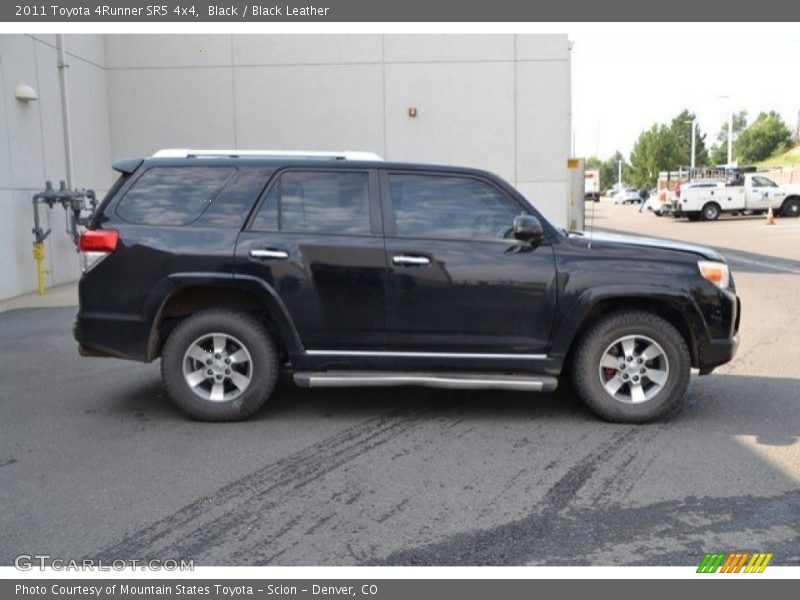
{"x": 626, "y": 77}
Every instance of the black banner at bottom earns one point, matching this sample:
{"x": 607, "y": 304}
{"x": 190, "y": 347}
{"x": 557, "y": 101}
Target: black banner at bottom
{"x": 382, "y": 589}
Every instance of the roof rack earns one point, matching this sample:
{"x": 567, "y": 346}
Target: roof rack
{"x": 293, "y": 154}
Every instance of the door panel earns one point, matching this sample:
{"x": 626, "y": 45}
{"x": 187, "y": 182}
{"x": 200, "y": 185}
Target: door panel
{"x": 458, "y": 282}
{"x": 316, "y": 239}
{"x": 472, "y": 297}
{"x": 333, "y": 286}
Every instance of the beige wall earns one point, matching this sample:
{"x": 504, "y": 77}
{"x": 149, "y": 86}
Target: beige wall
{"x": 32, "y": 148}
{"x": 499, "y": 102}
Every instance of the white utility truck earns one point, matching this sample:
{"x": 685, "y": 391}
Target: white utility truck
{"x": 737, "y": 191}
{"x": 591, "y": 185}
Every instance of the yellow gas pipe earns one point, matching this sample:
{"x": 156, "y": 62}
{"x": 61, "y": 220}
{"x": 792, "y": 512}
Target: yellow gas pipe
{"x": 38, "y": 255}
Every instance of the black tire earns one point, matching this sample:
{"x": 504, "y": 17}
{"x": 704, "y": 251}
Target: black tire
{"x": 791, "y": 207}
{"x": 241, "y": 329}
{"x": 693, "y": 216}
{"x": 711, "y": 211}
{"x": 592, "y": 346}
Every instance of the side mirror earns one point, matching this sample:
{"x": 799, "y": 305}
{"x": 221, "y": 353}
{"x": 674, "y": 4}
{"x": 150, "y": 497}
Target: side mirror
{"x": 528, "y": 229}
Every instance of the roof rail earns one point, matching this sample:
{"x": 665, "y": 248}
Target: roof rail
{"x": 293, "y": 154}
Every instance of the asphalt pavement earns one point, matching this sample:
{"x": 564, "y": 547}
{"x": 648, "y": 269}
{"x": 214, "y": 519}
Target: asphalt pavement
{"x": 95, "y": 462}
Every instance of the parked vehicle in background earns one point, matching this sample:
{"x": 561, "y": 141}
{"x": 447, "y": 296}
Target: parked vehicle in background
{"x": 659, "y": 202}
{"x": 345, "y": 270}
{"x": 592, "y": 185}
{"x": 742, "y": 192}
{"x": 629, "y": 195}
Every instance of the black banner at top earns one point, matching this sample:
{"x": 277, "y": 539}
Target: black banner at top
{"x": 243, "y": 11}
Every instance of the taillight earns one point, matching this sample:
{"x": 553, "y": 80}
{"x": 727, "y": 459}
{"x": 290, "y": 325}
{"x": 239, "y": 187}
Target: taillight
{"x": 99, "y": 240}
{"x": 95, "y": 246}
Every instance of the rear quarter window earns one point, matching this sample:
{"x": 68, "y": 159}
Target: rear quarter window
{"x": 172, "y": 195}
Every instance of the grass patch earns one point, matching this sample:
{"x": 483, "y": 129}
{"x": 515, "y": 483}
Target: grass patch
{"x": 790, "y": 158}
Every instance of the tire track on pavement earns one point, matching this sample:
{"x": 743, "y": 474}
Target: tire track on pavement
{"x": 238, "y": 508}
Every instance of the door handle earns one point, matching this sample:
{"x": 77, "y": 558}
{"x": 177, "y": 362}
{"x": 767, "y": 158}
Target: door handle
{"x": 404, "y": 259}
{"x": 269, "y": 253}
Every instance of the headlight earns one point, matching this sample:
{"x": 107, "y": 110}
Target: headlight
{"x": 715, "y": 272}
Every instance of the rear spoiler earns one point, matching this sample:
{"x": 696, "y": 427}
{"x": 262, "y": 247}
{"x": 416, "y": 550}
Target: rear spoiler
{"x": 126, "y": 166}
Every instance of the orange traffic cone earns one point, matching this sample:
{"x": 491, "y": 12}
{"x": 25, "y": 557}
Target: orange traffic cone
{"x": 770, "y": 217}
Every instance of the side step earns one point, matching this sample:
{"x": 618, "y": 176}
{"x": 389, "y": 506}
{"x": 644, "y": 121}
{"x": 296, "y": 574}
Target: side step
{"x": 455, "y": 381}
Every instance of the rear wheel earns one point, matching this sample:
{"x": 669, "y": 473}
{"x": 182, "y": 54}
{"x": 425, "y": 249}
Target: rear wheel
{"x": 711, "y": 211}
{"x": 791, "y": 207}
{"x": 219, "y": 365}
{"x": 632, "y": 367}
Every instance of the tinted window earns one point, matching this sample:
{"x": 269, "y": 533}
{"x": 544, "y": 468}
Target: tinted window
{"x": 763, "y": 182}
{"x": 172, "y": 195}
{"x": 450, "y": 207}
{"x": 231, "y": 207}
{"x": 316, "y": 201}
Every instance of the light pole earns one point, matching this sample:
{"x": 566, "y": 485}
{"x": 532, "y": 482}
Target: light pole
{"x": 694, "y": 140}
{"x": 730, "y": 129}
{"x": 619, "y": 176}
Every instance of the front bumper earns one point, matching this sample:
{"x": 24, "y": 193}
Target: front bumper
{"x": 715, "y": 351}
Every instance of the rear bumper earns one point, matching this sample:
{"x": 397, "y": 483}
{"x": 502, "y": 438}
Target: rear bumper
{"x": 111, "y": 335}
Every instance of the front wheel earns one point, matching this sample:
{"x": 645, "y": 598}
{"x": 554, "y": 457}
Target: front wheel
{"x": 219, "y": 365}
{"x": 631, "y": 367}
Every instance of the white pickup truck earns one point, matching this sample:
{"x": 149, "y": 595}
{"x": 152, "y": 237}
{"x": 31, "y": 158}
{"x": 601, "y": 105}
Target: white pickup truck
{"x": 591, "y": 186}
{"x": 707, "y": 200}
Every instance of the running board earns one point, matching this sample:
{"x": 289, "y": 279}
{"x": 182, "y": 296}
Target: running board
{"x": 455, "y": 381}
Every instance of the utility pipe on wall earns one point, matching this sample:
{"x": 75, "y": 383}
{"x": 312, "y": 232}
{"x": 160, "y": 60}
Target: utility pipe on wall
{"x": 62, "y": 80}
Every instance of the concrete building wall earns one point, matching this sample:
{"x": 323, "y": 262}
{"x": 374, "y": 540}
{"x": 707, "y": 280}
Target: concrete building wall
{"x": 32, "y": 149}
{"x": 499, "y": 102}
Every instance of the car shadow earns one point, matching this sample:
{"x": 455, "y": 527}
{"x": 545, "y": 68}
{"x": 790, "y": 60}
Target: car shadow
{"x": 734, "y": 398}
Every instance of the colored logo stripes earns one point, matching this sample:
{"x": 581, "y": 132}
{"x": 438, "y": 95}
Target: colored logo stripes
{"x": 734, "y": 562}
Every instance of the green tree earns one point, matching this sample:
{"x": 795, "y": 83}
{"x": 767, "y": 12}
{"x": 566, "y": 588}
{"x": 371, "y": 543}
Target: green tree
{"x": 765, "y": 136}
{"x": 657, "y": 149}
{"x": 719, "y": 151}
{"x": 681, "y": 126}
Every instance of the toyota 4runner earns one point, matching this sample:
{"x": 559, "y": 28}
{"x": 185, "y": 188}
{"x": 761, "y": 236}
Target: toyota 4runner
{"x": 349, "y": 271}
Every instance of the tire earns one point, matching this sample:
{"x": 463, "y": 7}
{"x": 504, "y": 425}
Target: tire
{"x": 791, "y": 207}
{"x": 693, "y": 216}
{"x": 238, "y": 380}
{"x": 655, "y": 398}
{"x": 711, "y": 211}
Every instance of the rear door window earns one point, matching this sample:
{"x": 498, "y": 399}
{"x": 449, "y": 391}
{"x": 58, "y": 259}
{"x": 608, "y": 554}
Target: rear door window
{"x": 172, "y": 195}
{"x": 335, "y": 202}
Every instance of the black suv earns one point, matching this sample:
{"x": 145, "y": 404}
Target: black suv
{"x": 351, "y": 271}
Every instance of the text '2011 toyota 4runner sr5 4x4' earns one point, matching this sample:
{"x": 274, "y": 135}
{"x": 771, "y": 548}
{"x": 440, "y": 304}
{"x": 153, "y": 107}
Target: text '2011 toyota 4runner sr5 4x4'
{"x": 351, "y": 271}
